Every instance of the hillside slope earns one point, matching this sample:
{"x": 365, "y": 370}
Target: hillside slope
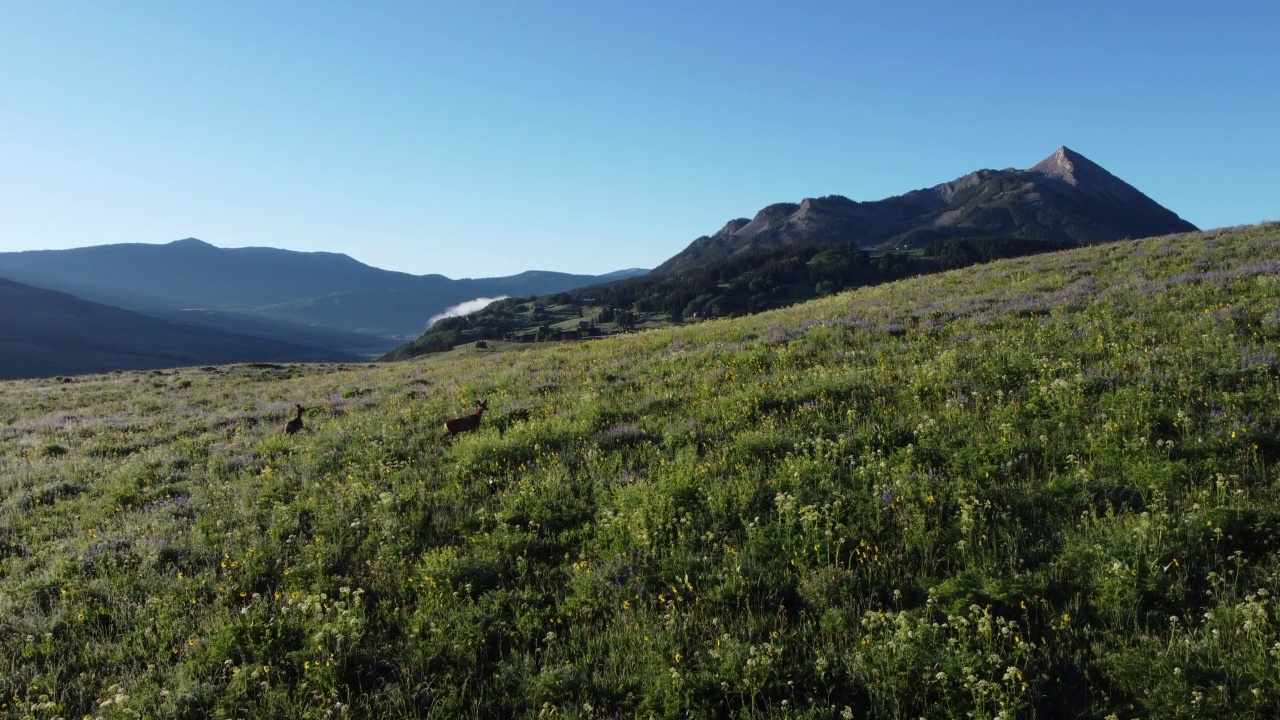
{"x": 45, "y": 333}
{"x": 1064, "y": 198}
{"x": 320, "y": 288}
{"x": 1043, "y": 487}
{"x": 746, "y": 282}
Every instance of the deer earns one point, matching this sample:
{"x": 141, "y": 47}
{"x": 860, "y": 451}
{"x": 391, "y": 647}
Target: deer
{"x": 466, "y": 422}
{"x": 295, "y": 424}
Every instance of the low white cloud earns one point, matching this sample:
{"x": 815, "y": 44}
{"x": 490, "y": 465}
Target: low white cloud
{"x": 465, "y": 308}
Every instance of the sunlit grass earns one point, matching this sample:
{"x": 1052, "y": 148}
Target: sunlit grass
{"x": 1041, "y": 487}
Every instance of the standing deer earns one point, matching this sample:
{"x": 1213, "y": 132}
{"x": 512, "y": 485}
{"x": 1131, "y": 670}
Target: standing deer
{"x": 295, "y": 424}
{"x": 466, "y": 422}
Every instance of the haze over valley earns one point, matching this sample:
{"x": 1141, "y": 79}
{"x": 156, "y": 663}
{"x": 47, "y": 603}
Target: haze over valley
{"x": 298, "y": 306}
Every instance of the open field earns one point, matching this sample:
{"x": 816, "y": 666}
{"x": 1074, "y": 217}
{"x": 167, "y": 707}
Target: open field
{"x": 1042, "y": 487}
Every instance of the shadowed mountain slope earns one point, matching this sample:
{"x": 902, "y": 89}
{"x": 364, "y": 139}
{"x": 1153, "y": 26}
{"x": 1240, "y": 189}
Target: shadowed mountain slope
{"x": 314, "y": 288}
{"x": 45, "y": 333}
{"x": 1064, "y": 198}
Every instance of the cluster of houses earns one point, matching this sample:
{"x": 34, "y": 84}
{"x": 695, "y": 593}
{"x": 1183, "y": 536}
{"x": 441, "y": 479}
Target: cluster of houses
{"x": 545, "y": 333}
{"x": 585, "y": 329}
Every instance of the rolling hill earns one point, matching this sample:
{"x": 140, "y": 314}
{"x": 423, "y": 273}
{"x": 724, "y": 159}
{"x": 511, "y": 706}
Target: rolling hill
{"x": 44, "y": 333}
{"x": 309, "y": 288}
{"x": 746, "y": 282}
{"x": 1040, "y": 488}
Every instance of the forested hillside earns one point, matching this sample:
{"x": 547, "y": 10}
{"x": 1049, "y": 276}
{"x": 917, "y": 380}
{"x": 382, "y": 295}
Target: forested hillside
{"x": 750, "y": 282}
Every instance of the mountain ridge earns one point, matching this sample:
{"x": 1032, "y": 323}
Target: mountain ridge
{"x": 1063, "y": 198}
{"x": 311, "y": 288}
{"x": 46, "y": 332}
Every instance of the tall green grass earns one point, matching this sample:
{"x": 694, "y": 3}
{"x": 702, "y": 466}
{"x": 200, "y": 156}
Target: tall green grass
{"x": 1044, "y": 487}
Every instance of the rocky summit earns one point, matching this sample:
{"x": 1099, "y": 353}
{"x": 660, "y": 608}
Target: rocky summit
{"x": 1064, "y": 198}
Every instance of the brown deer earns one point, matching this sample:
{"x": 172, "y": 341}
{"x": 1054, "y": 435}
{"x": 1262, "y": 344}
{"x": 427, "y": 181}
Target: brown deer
{"x": 466, "y": 422}
{"x": 295, "y": 424}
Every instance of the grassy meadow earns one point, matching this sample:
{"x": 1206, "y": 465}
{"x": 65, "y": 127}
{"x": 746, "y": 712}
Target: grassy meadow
{"x": 1042, "y": 487}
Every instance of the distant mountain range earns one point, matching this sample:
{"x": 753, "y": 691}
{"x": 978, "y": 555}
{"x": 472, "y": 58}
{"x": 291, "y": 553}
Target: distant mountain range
{"x": 1065, "y": 198}
{"x": 329, "y": 290}
{"x": 45, "y": 333}
{"x": 188, "y": 302}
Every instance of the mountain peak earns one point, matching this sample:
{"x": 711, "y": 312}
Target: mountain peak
{"x": 1070, "y": 166}
{"x": 1064, "y": 198}
{"x": 191, "y": 243}
{"x": 732, "y": 227}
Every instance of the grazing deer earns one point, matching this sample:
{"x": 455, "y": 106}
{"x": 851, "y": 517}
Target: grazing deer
{"x": 295, "y": 424}
{"x": 466, "y": 422}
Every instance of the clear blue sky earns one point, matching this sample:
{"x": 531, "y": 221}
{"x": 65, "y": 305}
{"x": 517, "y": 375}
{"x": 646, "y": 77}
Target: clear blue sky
{"x": 481, "y": 139}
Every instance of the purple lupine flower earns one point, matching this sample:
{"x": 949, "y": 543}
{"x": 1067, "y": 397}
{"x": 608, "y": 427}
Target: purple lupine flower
{"x": 622, "y": 431}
